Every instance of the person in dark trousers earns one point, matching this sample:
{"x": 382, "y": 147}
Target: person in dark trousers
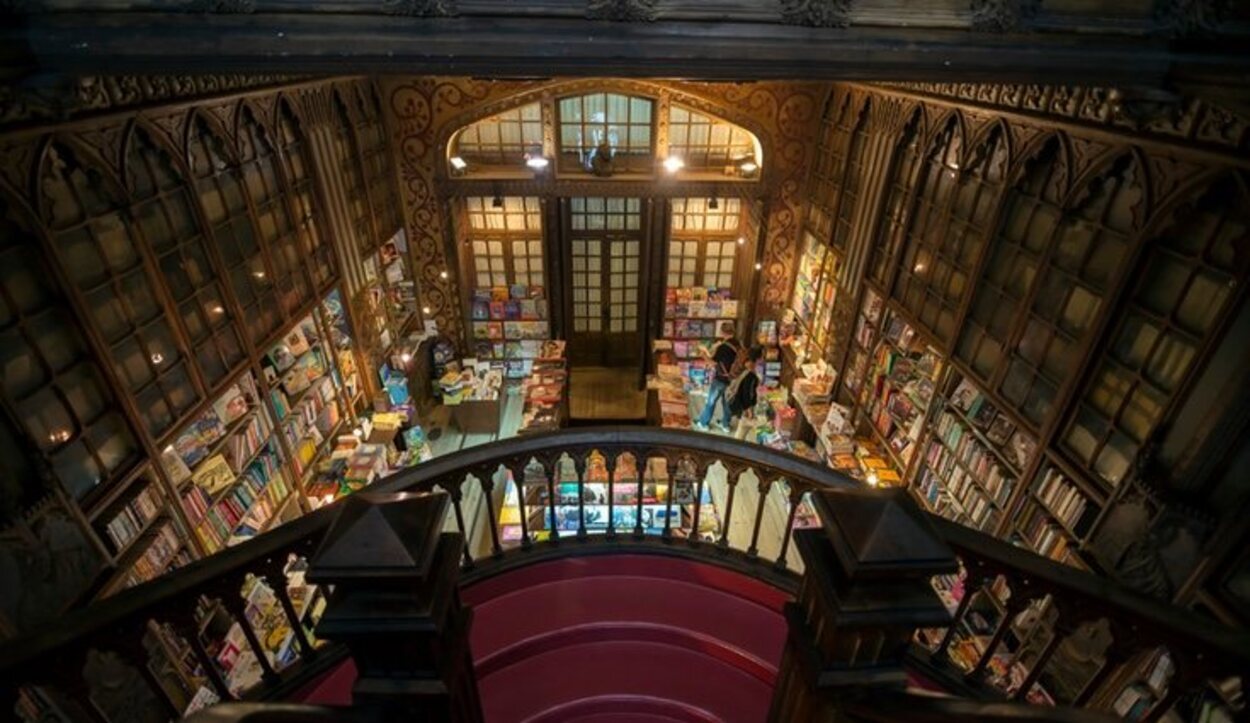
{"x": 723, "y": 356}
{"x": 742, "y": 390}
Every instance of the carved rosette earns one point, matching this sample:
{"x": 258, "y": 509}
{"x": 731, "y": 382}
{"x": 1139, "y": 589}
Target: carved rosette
{"x": 817, "y": 13}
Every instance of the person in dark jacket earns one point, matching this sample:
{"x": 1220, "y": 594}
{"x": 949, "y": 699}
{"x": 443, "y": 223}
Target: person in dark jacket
{"x": 743, "y": 400}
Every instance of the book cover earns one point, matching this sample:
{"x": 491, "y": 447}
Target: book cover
{"x": 213, "y": 475}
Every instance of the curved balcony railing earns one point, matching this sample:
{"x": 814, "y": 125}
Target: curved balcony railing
{"x": 1017, "y": 616}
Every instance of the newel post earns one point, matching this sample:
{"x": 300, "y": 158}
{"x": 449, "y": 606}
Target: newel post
{"x": 865, "y": 591}
{"x": 396, "y": 607}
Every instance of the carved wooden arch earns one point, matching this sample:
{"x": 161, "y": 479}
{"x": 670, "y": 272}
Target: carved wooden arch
{"x": 292, "y": 104}
{"x": 159, "y": 140}
{"x": 1105, "y": 165}
{"x": 214, "y": 127}
{"x": 1188, "y": 195}
{"x": 89, "y": 159}
{"x": 21, "y": 177}
{"x": 937, "y": 126}
{"x": 268, "y": 131}
{"x": 982, "y": 136}
{"x": 557, "y": 89}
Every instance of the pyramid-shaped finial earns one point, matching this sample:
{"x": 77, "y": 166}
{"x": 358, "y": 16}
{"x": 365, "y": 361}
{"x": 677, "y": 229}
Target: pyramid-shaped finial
{"x": 381, "y": 534}
{"x": 882, "y": 531}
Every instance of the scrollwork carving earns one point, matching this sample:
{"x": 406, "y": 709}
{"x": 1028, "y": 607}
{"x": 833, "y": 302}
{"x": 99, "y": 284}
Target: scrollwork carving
{"x": 623, "y": 11}
{"x": 1003, "y": 16}
{"x": 420, "y": 8}
{"x": 817, "y": 13}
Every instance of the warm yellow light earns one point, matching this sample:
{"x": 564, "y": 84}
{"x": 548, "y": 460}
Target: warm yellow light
{"x": 459, "y": 163}
{"x": 673, "y": 164}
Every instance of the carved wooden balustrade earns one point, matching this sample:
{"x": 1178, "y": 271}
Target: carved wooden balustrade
{"x": 587, "y": 491}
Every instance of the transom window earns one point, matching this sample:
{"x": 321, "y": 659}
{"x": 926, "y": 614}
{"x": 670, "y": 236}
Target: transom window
{"x": 511, "y": 213}
{"x": 706, "y": 143}
{"x": 606, "y": 214}
{"x": 601, "y": 124}
{"x": 502, "y": 139}
{"x": 706, "y": 214}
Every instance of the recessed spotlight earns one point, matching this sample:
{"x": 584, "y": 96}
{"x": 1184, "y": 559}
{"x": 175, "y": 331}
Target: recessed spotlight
{"x": 758, "y": 266}
{"x": 459, "y": 163}
{"x": 157, "y": 358}
{"x": 425, "y": 310}
{"x": 673, "y": 164}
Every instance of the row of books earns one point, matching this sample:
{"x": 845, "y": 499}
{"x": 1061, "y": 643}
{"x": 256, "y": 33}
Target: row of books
{"x": 244, "y": 443}
{"x": 131, "y": 519}
{"x": 510, "y": 310}
{"x": 163, "y": 553}
{"x": 217, "y": 523}
{"x": 1061, "y": 498}
{"x": 974, "y": 458}
{"x": 507, "y": 293}
{"x": 727, "y": 309}
{"x": 544, "y": 391}
{"x": 973, "y": 509}
{"x": 691, "y": 329}
{"x": 1044, "y": 536}
{"x": 1015, "y": 445}
{"x": 957, "y": 481}
{"x": 691, "y": 294}
{"x": 520, "y": 350}
{"x": 510, "y": 330}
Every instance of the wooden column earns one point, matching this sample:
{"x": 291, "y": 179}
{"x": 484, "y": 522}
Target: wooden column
{"x": 396, "y": 606}
{"x": 865, "y": 591}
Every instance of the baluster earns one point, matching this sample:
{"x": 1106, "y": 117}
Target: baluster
{"x": 233, "y": 604}
{"x": 639, "y": 458}
{"x": 610, "y": 463}
{"x": 671, "y": 486}
{"x": 1038, "y": 665}
{"x": 731, "y": 481}
{"x": 456, "y": 492}
{"x": 764, "y": 488}
{"x": 488, "y": 492}
{"x": 130, "y": 651}
{"x": 188, "y": 628}
{"x": 973, "y": 582}
{"x": 579, "y": 468}
{"x": 700, "y": 474}
{"x": 796, "y": 498}
{"x": 1011, "y": 609}
{"x": 549, "y": 474}
{"x": 275, "y": 576}
{"x": 519, "y": 483}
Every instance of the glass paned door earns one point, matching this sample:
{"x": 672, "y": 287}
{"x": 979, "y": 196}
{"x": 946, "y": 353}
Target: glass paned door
{"x": 605, "y": 310}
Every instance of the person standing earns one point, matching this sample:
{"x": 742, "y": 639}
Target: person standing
{"x": 741, "y": 392}
{"x": 723, "y": 356}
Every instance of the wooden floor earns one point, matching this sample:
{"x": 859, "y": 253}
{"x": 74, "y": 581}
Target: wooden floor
{"x": 606, "y": 393}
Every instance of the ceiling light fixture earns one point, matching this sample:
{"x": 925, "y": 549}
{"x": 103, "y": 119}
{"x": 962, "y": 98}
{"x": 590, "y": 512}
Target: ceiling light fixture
{"x": 538, "y": 163}
{"x": 748, "y": 165}
{"x": 673, "y": 164}
{"x": 459, "y": 163}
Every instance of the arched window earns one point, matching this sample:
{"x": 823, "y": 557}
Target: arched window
{"x": 501, "y": 140}
{"x": 103, "y": 257}
{"x": 707, "y": 143}
{"x": 1180, "y": 294}
{"x": 827, "y": 173}
{"x": 353, "y": 179}
{"x": 59, "y": 394}
{"x": 164, "y": 210}
{"x": 299, "y": 174}
{"x": 221, "y": 191}
{"x": 278, "y": 233}
{"x": 379, "y": 173}
{"x": 602, "y": 125}
{"x": 1031, "y": 212}
{"x": 852, "y": 174}
{"x": 893, "y": 229}
{"x": 949, "y": 230}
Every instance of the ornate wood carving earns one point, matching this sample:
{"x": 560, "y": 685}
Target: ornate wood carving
{"x": 632, "y": 11}
{"x": 1192, "y": 120}
{"x": 1001, "y": 16}
{"x": 420, "y": 8}
{"x": 817, "y": 13}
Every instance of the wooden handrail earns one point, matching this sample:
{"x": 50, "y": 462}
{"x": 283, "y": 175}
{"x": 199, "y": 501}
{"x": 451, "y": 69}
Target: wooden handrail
{"x": 1202, "y": 646}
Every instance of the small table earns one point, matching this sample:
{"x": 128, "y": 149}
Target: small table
{"x": 477, "y": 415}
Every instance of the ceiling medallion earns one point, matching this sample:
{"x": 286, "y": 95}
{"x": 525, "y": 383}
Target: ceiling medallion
{"x": 1003, "y": 16}
{"x": 817, "y": 13}
{"x": 420, "y": 8}
{"x": 623, "y": 11}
